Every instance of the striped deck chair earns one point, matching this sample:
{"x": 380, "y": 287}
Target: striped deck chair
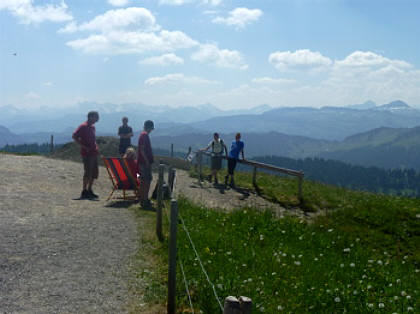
{"x": 121, "y": 178}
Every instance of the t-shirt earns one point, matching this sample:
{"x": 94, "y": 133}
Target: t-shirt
{"x": 86, "y": 133}
{"x": 144, "y": 141}
{"x": 235, "y": 149}
{"x": 216, "y": 146}
{"x": 122, "y": 130}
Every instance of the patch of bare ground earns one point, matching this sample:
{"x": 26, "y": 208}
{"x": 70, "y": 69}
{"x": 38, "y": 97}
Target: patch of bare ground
{"x": 226, "y": 198}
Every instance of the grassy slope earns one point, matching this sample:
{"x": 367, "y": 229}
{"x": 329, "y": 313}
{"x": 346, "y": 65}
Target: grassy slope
{"x": 299, "y": 267}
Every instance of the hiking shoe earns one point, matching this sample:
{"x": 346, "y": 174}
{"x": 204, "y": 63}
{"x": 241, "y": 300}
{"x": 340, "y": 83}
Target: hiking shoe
{"x": 216, "y": 181}
{"x": 226, "y": 180}
{"x": 85, "y": 194}
{"x": 91, "y": 194}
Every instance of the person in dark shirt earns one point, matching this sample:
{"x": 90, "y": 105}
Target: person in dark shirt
{"x": 236, "y": 148}
{"x": 85, "y": 136}
{"x": 145, "y": 160}
{"x": 125, "y": 133}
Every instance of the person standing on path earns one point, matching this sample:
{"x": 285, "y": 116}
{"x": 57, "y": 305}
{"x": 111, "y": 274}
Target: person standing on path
{"x": 85, "y": 136}
{"x": 217, "y": 146}
{"x": 236, "y": 148}
{"x": 125, "y": 132}
{"x": 145, "y": 160}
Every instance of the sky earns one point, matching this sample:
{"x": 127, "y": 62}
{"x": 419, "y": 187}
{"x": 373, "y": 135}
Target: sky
{"x": 232, "y": 54}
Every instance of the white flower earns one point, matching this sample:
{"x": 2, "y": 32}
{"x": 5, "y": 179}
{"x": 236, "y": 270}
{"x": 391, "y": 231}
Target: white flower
{"x": 249, "y": 279}
{"x": 396, "y": 297}
{"x": 357, "y": 239}
{"x": 315, "y": 259}
{"x": 341, "y": 265}
{"x": 370, "y": 261}
{"x": 297, "y": 263}
{"x": 409, "y": 309}
{"x": 381, "y": 305}
{"x": 329, "y": 230}
{"x": 337, "y": 299}
{"x": 408, "y": 297}
{"x": 379, "y": 262}
{"x": 369, "y": 287}
{"x": 228, "y": 253}
{"x": 352, "y": 265}
{"x": 403, "y": 293}
{"x": 261, "y": 237}
{"x": 346, "y": 250}
{"x": 355, "y": 292}
{"x": 280, "y": 308}
{"x": 398, "y": 280}
{"x": 370, "y": 305}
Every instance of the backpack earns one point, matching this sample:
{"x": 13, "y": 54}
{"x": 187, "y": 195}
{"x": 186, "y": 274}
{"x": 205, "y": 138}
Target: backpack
{"x": 212, "y": 146}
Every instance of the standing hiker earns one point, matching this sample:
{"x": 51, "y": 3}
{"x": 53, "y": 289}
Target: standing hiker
{"x": 217, "y": 146}
{"x": 125, "y": 133}
{"x": 236, "y": 148}
{"x": 85, "y": 136}
{"x": 145, "y": 160}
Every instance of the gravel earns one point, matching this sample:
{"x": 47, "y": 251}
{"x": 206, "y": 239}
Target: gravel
{"x": 57, "y": 254}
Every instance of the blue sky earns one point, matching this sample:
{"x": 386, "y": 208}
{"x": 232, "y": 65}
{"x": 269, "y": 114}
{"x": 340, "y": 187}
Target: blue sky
{"x": 233, "y": 54}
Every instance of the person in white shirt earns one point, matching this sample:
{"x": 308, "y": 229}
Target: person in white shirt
{"x": 217, "y": 147}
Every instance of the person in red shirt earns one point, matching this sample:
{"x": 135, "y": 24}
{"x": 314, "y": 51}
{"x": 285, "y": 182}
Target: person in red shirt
{"x": 144, "y": 161}
{"x": 85, "y": 136}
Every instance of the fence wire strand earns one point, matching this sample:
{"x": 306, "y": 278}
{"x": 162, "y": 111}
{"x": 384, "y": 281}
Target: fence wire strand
{"x": 199, "y": 261}
{"x": 196, "y": 254}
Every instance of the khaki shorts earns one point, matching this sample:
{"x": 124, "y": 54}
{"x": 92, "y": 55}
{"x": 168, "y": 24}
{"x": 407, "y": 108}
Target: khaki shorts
{"x": 145, "y": 172}
{"x": 90, "y": 164}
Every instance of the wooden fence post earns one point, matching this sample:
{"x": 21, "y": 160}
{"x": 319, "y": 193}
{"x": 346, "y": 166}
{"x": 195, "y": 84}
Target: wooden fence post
{"x": 200, "y": 166}
{"x": 254, "y": 180}
{"x": 52, "y": 143}
{"x": 232, "y": 306}
{"x": 171, "y": 179}
{"x": 172, "y": 258}
{"x": 160, "y": 203}
{"x": 246, "y": 305}
{"x": 300, "y": 182}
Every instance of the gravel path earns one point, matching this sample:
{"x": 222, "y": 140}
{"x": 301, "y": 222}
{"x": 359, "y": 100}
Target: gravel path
{"x": 59, "y": 255}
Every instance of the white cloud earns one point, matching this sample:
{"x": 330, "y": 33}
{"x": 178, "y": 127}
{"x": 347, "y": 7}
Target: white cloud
{"x": 210, "y": 53}
{"x": 183, "y": 2}
{"x": 239, "y": 17}
{"x": 112, "y": 20}
{"x": 272, "y": 81}
{"x": 126, "y": 31}
{"x": 369, "y": 59}
{"x": 118, "y": 3}
{"x": 32, "y": 95}
{"x": 300, "y": 59}
{"x": 28, "y": 13}
{"x": 48, "y": 84}
{"x": 178, "y": 78}
{"x": 163, "y": 60}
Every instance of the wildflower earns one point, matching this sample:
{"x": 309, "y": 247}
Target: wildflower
{"x": 261, "y": 237}
{"x": 330, "y": 230}
{"x": 396, "y": 297}
{"x": 398, "y": 280}
{"x": 381, "y": 305}
{"x": 346, "y": 250}
{"x": 408, "y": 297}
{"x": 369, "y": 287}
{"x": 409, "y": 309}
{"x": 370, "y": 305}
{"x": 280, "y": 308}
{"x": 337, "y": 299}
{"x": 352, "y": 265}
{"x": 357, "y": 239}
{"x": 297, "y": 263}
{"x": 341, "y": 265}
{"x": 249, "y": 279}
{"x": 390, "y": 285}
{"x": 229, "y": 252}
{"x": 262, "y": 309}
{"x": 370, "y": 261}
{"x": 355, "y": 292}
{"x": 301, "y": 237}
{"x": 315, "y": 259}
{"x": 328, "y": 291}
{"x": 417, "y": 270}
{"x": 403, "y": 293}
{"x": 379, "y": 262}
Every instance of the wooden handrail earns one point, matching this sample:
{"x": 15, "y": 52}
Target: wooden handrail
{"x": 262, "y": 165}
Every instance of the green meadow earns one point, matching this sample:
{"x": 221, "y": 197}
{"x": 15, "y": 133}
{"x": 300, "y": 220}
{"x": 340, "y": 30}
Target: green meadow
{"x": 361, "y": 255}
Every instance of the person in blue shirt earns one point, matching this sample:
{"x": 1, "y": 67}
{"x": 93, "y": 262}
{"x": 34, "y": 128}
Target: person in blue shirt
{"x": 236, "y": 148}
